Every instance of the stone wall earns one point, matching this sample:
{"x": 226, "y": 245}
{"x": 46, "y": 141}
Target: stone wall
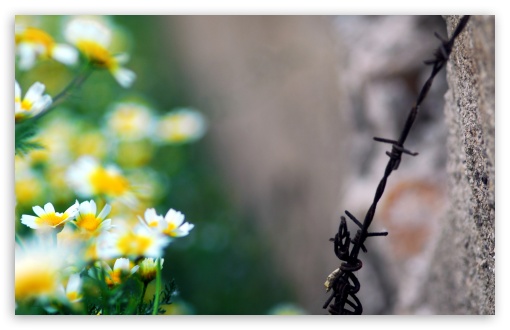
{"x": 462, "y": 276}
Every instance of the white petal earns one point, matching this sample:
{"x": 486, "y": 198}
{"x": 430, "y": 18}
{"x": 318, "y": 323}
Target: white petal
{"x": 183, "y": 230}
{"x": 105, "y": 225}
{"x": 74, "y": 283}
{"x": 157, "y": 248}
{"x": 29, "y": 220}
{"x": 151, "y": 216}
{"x": 113, "y": 169}
{"x": 105, "y": 246}
{"x": 72, "y": 210}
{"x": 175, "y": 217}
{"x": 93, "y": 207}
{"x": 17, "y": 90}
{"x": 121, "y": 263}
{"x": 41, "y": 104}
{"x": 149, "y": 213}
{"x": 108, "y": 252}
{"x": 39, "y": 210}
{"x": 61, "y": 292}
{"x": 155, "y": 251}
{"x": 142, "y": 221}
{"x": 48, "y": 207}
{"x": 84, "y": 207}
{"x": 187, "y": 227}
{"x": 124, "y": 77}
{"x": 78, "y": 173}
{"x": 134, "y": 269}
{"x": 81, "y": 28}
{"x": 122, "y": 58}
{"x": 35, "y": 92}
{"x": 65, "y": 54}
{"x": 105, "y": 211}
{"x": 27, "y": 55}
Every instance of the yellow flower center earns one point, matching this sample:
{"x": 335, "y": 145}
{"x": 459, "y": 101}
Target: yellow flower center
{"x": 125, "y": 121}
{"x": 115, "y": 277}
{"x": 88, "y": 222}
{"x": 97, "y": 54}
{"x": 169, "y": 230}
{"x": 73, "y": 295}
{"x": 132, "y": 244}
{"x": 26, "y": 105}
{"x": 33, "y": 279}
{"x": 152, "y": 224}
{"x": 37, "y": 36}
{"x": 112, "y": 184}
{"x": 51, "y": 219}
{"x": 174, "y": 129}
{"x": 148, "y": 273}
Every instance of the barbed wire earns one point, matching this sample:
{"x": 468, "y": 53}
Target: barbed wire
{"x": 343, "y": 281}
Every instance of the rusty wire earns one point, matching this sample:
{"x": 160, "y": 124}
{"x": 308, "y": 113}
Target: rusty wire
{"x": 343, "y": 281}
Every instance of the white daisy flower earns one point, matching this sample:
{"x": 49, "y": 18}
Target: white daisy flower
{"x": 172, "y": 224}
{"x": 73, "y": 289}
{"x": 93, "y": 38}
{"x": 130, "y": 121}
{"x": 122, "y": 269}
{"x": 149, "y": 268}
{"x": 87, "y": 220}
{"x": 33, "y": 43}
{"x": 92, "y": 247}
{"x": 88, "y": 178}
{"x": 136, "y": 242}
{"x": 181, "y": 126}
{"x": 38, "y": 270}
{"x": 32, "y": 104}
{"x": 48, "y": 218}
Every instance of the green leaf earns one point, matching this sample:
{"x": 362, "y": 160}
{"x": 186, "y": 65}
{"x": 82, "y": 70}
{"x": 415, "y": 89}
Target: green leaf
{"x": 24, "y": 132}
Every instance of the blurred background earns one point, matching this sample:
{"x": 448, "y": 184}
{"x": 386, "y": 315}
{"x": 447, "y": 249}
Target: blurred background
{"x": 291, "y": 105}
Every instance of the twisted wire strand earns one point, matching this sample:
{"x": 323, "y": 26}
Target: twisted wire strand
{"x": 343, "y": 282}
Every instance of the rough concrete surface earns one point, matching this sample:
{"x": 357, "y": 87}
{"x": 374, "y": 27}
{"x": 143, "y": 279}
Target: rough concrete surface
{"x": 462, "y": 276}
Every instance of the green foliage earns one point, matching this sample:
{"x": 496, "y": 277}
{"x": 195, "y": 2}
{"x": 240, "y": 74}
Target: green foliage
{"x": 165, "y": 298}
{"x": 24, "y": 132}
{"x": 124, "y": 299}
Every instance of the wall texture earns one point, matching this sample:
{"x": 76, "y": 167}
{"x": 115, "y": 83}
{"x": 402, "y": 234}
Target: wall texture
{"x": 462, "y": 276}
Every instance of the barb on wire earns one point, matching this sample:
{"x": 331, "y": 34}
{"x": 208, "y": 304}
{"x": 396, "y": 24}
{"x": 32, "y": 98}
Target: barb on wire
{"x": 343, "y": 282}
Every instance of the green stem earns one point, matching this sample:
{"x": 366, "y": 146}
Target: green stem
{"x": 105, "y": 292}
{"x": 19, "y": 241}
{"x": 144, "y": 290}
{"x": 75, "y": 83}
{"x": 158, "y": 287}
